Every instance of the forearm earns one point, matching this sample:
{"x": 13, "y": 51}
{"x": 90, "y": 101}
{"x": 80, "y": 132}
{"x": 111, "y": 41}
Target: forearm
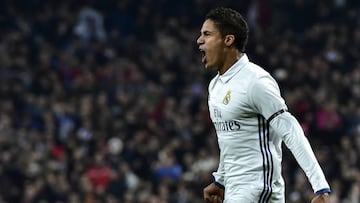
{"x": 293, "y": 136}
{"x": 218, "y": 176}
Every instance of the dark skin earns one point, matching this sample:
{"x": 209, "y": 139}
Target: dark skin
{"x": 219, "y": 52}
{"x": 213, "y": 194}
{"x": 322, "y": 198}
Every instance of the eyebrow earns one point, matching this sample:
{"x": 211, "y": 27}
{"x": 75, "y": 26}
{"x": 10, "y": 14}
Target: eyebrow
{"x": 207, "y": 32}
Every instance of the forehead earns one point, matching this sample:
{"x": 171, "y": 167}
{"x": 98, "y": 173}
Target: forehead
{"x": 209, "y": 25}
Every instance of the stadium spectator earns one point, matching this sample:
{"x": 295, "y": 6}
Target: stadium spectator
{"x": 62, "y": 98}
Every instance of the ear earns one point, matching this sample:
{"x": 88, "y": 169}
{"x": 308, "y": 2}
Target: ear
{"x": 229, "y": 40}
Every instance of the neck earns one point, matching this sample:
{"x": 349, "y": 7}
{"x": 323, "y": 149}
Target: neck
{"x": 230, "y": 61}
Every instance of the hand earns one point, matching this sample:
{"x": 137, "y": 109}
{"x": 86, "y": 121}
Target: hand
{"x": 213, "y": 194}
{"x": 322, "y": 198}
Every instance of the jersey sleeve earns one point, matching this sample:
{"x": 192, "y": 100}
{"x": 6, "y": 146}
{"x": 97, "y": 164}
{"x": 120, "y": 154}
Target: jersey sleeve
{"x": 218, "y": 176}
{"x": 265, "y": 98}
{"x": 293, "y": 136}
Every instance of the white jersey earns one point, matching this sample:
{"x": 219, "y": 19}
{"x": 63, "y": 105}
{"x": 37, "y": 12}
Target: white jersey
{"x": 251, "y": 121}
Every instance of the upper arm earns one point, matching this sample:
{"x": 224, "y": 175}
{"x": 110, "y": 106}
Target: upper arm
{"x": 265, "y": 97}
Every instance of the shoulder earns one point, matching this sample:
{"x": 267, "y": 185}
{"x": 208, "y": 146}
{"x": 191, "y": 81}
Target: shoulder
{"x": 261, "y": 81}
{"x": 257, "y": 71}
{"x": 253, "y": 74}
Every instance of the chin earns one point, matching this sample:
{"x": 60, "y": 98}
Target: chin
{"x": 208, "y": 66}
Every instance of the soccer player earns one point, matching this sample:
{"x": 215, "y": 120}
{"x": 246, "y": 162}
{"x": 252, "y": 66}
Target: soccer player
{"x": 251, "y": 120}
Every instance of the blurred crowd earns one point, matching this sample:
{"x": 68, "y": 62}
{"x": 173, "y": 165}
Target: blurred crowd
{"x": 106, "y": 101}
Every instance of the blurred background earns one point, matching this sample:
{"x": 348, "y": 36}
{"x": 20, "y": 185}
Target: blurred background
{"x": 106, "y": 101}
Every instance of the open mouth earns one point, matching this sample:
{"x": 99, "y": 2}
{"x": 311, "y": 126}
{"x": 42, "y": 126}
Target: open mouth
{"x": 203, "y": 55}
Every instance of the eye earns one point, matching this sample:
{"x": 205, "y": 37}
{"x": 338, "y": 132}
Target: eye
{"x": 207, "y": 33}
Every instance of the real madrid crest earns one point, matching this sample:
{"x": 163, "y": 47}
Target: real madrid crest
{"x": 227, "y": 97}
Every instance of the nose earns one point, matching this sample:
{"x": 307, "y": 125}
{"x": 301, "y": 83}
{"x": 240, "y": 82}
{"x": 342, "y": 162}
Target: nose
{"x": 200, "y": 40}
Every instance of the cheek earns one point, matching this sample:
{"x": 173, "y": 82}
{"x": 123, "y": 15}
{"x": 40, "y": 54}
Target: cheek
{"x": 214, "y": 55}
{"x": 211, "y": 57}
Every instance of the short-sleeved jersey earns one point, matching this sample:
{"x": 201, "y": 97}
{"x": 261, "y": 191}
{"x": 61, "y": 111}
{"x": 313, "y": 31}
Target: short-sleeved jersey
{"x": 242, "y": 102}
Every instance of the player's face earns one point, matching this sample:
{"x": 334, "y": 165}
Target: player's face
{"x": 211, "y": 45}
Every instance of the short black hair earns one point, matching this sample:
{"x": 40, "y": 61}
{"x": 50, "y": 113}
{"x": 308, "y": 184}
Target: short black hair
{"x": 229, "y": 21}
